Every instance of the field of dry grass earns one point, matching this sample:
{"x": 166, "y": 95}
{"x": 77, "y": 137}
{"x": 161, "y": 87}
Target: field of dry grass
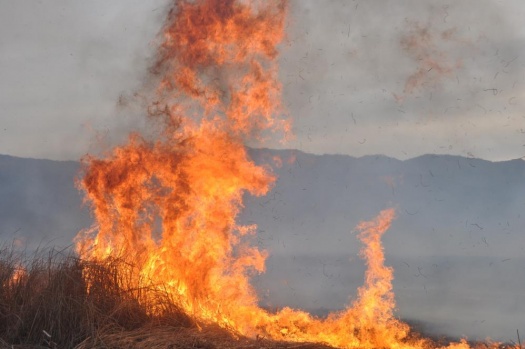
{"x": 45, "y": 303}
{"x": 55, "y": 300}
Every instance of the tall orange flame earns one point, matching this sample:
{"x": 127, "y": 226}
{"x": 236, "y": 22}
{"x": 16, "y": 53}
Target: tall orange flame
{"x": 169, "y": 205}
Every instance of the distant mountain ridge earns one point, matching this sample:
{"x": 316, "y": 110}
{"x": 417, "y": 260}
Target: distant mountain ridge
{"x": 38, "y": 197}
{"x": 457, "y": 238}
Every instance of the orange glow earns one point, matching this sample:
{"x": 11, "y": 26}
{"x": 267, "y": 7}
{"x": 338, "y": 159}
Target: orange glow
{"x": 169, "y": 205}
{"x": 19, "y": 274}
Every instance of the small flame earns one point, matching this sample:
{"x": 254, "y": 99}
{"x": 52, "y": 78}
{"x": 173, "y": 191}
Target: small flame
{"x": 19, "y": 274}
{"x": 169, "y": 205}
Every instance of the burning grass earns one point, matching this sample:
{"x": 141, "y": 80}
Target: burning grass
{"x": 47, "y": 302}
{"x": 53, "y": 299}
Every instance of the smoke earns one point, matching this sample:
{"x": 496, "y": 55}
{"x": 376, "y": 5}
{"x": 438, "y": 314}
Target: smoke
{"x": 63, "y": 67}
{"x": 66, "y": 64}
{"x": 456, "y": 67}
{"x": 433, "y": 64}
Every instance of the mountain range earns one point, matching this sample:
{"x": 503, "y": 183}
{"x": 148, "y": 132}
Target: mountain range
{"x": 457, "y": 245}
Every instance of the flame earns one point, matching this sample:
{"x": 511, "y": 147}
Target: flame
{"x": 19, "y": 274}
{"x": 168, "y": 205}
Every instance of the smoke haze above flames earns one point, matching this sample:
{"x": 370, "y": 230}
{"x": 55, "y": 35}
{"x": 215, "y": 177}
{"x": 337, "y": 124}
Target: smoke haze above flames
{"x": 359, "y": 77}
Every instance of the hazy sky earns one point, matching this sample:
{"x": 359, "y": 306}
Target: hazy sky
{"x": 401, "y": 78}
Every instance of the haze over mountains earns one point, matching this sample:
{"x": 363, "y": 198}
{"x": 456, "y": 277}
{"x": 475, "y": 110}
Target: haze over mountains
{"x": 457, "y": 245}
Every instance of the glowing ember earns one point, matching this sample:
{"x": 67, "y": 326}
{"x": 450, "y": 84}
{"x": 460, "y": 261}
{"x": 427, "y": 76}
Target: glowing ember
{"x": 169, "y": 205}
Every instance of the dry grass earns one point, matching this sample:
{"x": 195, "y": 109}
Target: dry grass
{"x": 209, "y": 337}
{"x": 45, "y": 303}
